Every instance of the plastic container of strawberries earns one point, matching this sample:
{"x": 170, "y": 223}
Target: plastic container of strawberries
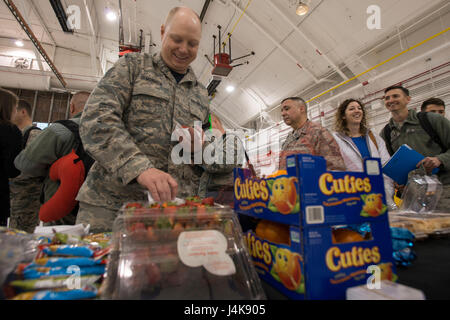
{"x": 187, "y": 250}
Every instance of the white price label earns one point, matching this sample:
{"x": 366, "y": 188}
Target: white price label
{"x": 205, "y": 248}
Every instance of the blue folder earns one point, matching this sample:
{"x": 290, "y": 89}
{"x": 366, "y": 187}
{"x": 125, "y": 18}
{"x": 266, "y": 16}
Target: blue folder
{"x": 401, "y": 163}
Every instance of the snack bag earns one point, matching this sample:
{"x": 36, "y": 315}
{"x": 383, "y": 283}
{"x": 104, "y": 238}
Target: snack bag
{"x": 36, "y": 273}
{"x": 52, "y": 283}
{"x": 89, "y": 292}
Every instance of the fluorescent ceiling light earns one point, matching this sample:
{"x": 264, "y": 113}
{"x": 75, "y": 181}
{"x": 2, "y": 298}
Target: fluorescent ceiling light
{"x": 230, "y": 89}
{"x": 111, "y": 15}
{"x": 19, "y": 43}
{"x": 302, "y": 9}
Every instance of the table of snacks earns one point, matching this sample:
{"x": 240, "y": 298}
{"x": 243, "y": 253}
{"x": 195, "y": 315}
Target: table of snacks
{"x": 154, "y": 251}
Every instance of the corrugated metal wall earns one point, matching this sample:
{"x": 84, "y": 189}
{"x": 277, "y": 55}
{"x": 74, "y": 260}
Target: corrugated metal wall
{"x": 48, "y": 106}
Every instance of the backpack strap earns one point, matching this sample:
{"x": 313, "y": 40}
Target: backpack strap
{"x": 72, "y": 126}
{"x": 426, "y": 125}
{"x": 387, "y": 138}
{"x": 374, "y": 140}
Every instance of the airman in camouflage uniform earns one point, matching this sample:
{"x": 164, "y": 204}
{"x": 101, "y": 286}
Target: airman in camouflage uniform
{"x": 307, "y": 137}
{"x": 25, "y": 190}
{"x": 218, "y": 179}
{"x": 128, "y": 123}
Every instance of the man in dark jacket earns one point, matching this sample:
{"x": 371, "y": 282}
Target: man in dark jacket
{"x": 406, "y": 129}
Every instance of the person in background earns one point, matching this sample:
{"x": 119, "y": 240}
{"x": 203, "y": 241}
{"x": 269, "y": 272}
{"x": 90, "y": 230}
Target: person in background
{"x": 52, "y": 144}
{"x": 217, "y": 180}
{"x": 25, "y": 190}
{"x": 10, "y": 146}
{"x": 435, "y": 105}
{"x": 307, "y": 137}
{"x": 129, "y": 121}
{"x": 358, "y": 142}
{"x": 404, "y": 128}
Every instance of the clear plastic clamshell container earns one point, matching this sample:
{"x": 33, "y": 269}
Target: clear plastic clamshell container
{"x": 422, "y": 225}
{"x": 179, "y": 253}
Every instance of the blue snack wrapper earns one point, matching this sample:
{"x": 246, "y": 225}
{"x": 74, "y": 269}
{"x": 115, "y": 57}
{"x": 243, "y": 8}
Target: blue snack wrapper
{"x": 35, "y": 273}
{"x": 402, "y": 244}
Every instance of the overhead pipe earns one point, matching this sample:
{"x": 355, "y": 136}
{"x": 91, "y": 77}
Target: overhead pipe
{"x": 297, "y": 29}
{"x": 92, "y": 40}
{"x": 445, "y": 45}
{"x": 380, "y": 64}
{"x": 12, "y": 7}
{"x": 204, "y": 9}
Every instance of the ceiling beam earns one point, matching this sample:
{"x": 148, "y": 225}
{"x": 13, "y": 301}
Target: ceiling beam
{"x": 41, "y": 21}
{"x": 297, "y": 29}
{"x": 11, "y": 6}
{"x": 276, "y": 43}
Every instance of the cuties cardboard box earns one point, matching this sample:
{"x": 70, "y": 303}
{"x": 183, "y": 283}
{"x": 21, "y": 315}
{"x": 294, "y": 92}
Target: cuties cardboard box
{"x": 335, "y": 236}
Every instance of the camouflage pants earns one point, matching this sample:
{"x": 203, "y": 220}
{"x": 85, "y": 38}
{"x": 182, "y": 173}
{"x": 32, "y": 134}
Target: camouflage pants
{"x": 25, "y": 210}
{"x": 444, "y": 203}
{"x": 101, "y": 219}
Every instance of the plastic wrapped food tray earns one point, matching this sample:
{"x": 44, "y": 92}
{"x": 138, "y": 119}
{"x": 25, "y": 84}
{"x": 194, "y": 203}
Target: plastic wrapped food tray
{"x": 422, "y": 225}
{"x": 179, "y": 253}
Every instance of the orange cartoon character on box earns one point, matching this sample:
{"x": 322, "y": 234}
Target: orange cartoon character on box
{"x": 373, "y": 205}
{"x": 286, "y": 269}
{"x": 284, "y": 197}
{"x": 386, "y": 272}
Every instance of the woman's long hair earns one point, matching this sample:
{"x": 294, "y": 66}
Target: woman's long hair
{"x": 340, "y": 123}
{"x": 8, "y": 101}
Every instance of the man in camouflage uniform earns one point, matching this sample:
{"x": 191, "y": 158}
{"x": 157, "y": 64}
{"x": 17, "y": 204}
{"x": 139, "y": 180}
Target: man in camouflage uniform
{"x": 217, "y": 180}
{"x": 307, "y": 137}
{"x": 53, "y": 143}
{"x": 25, "y": 190}
{"x": 128, "y": 123}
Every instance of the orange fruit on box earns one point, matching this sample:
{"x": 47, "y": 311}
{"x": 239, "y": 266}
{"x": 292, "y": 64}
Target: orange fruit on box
{"x": 345, "y": 235}
{"x": 273, "y": 232}
{"x": 284, "y": 195}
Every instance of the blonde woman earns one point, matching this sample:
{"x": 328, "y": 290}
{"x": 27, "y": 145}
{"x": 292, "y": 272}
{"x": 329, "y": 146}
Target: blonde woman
{"x": 358, "y": 142}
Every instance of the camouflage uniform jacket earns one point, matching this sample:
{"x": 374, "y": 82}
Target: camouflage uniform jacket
{"x": 35, "y": 160}
{"x": 25, "y": 192}
{"x": 220, "y": 173}
{"x": 312, "y": 139}
{"x": 127, "y": 126}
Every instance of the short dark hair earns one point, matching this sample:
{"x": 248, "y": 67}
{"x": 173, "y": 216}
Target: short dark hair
{"x": 405, "y": 91}
{"x": 8, "y": 101}
{"x": 23, "y": 105}
{"x": 298, "y": 99}
{"x": 435, "y": 101}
